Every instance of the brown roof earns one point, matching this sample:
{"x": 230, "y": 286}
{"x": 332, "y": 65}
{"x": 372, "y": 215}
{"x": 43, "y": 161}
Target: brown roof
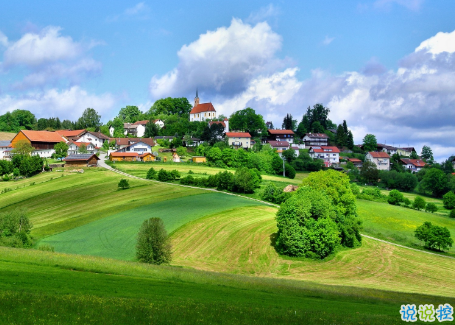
{"x": 141, "y": 122}
{"x": 379, "y": 154}
{"x": 124, "y": 154}
{"x": 70, "y": 133}
{"x": 317, "y": 135}
{"x": 238, "y": 135}
{"x": 354, "y": 160}
{"x": 205, "y": 107}
{"x": 415, "y": 162}
{"x": 325, "y": 149}
{"x": 146, "y": 154}
{"x": 43, "y": 136}
{"x": 280, "y": 132}
{"x": 278, "y": 143}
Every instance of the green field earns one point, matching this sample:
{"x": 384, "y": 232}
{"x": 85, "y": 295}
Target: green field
{"x": 397, "y": 224}
{"x": 52, "y": 288}
{"x": 115, "y": 236}
{"x": 140, "y": 170}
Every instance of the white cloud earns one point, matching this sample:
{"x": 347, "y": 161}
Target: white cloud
{"x": 139, "y": 11}
{"x": 3, "y": 39}
{"x": 66, "y": 104}
{"x": 223, "y": 61}
{"x": 327, "y": 40}
{"x": 263, "y": 14}
{"x": 413, "y": 5}
{"x": 441, "y": 42}
{"x": 35, "y": 49}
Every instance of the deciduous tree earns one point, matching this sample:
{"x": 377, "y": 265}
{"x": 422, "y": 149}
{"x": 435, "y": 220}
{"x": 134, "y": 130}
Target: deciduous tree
{"x": 153, "y": 245}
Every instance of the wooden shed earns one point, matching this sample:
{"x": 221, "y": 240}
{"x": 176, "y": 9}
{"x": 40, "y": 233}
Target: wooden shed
{"x": 147, "y": 156}
{"x": 199, "y": 159}
{"x": 82, "y": 160}
{"x": 124, "y": 156}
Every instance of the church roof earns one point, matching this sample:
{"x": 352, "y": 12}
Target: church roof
{"x": 205, "y": 107}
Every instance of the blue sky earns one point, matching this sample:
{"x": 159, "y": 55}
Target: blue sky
{"x": 363, "y": 59}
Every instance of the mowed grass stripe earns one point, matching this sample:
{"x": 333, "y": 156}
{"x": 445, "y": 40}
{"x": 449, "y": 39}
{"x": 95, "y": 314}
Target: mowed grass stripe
{"x": 115, "y": 236}
{"x": 240, "y": 242}
{"x": 62, "y": 203}
{"x": 397, "y": 224}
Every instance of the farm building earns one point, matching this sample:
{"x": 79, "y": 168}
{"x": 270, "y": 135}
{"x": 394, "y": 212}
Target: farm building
{"x": 89, "y": 160}
{"x": 147, "y": 156}
{"x": 124, "y": 156}
{"x": 42, "y": 141}
{"x": 199, "y": 159}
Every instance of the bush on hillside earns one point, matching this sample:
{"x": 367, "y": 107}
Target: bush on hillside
{"x": 372, "y": 194}
{"x": 306, "y": 225}
{"x": 274, "y": 194}
{"x": 452, "y": 213}
{"x": 289, "y": 171}
{"x": 394, "y": 180}
{"x": 355, "y": 189}
{"x": 153, "y": 245}
{"x": 124, "y": 184}
{"x": 151, "y": 173}
{"x": 246, "y": 180}
{"x": 431, "y": 207}
{"x": 419, "y": 203}
{"x": 434, "y": 237}
{"x": 406, "y": 202}
{"x": 15, "y": 228}
{"x": 395, "y": 197}
{"x": 337, "y": 187}
{"x": 449, "y": 200}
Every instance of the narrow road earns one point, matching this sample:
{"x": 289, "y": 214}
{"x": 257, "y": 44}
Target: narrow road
{"x": 101, "y": 163}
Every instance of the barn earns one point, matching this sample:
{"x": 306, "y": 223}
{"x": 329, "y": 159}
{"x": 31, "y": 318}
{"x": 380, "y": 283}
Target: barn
{"x": 82, "y": 160}
{"x": 124, "y": 156}
{"x": 147, "y": 157}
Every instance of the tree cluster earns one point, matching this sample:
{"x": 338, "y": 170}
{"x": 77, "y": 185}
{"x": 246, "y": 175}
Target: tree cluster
{"x": 153, "y": 244}
{"x": 315, "y": 120}
{"x": 434, "y": 237}
{"x": 15, "y": 228}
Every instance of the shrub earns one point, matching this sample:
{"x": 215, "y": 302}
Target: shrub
{"x": 434, "y": 237}
{"x": 174, "y": 174}
{"x": 190, "y": 172}
{"x": 6, "y": 178}
{"x": 15, "y": 228}
{"x": 452, "y": 213}
{"x": 246, "y": 180}
{"x": 306, "y": 225}
{"x": 419, "y": 203}
{"x": 395, "y": 197}
{"x": 6, "y": 190}
{"x": 355, "y": 189}
{"x": 153, "y": 245}
{"x": 289, "y": 171}
{"x": 449, "y": 200}
{"x": 151, "y": 173}
{"x": 431, "y": 207}
{"x": 164, "y": 176}
{"x": 16, "y": 172}
{"x": 124, "y": 184}
{"x": 406, "y": 202}
{"x": 225, "y": 181}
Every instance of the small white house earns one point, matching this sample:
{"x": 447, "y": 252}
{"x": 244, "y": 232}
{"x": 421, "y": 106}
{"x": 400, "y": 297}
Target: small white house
{"x": 111, "y": 131}
{"x": 139, "y": 147}
{"x": 239, "y": 139}
{"x": 159, "y": 123}
{"x": 280, "y": 146}
{"x": 381, "y": 159}
{"x": 97, "y": 138}
{"x": 330, "y": 155}
{"x": 316, "y": 139}
{"x": 5, "y": 147}
{"x": 74, "y": 147}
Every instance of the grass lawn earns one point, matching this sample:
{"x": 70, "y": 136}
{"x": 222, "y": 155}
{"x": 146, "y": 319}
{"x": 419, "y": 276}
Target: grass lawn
{"x": 397, "y": 224}
{"x": 240, "y": 242}
{"x": 59, "y": 201}
{"x": 52, "y": 288}
{"x": 140, "y": 169}
{"x": 115, "y": 236}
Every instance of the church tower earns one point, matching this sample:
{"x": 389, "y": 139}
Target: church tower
{"x": 196, "y": 99}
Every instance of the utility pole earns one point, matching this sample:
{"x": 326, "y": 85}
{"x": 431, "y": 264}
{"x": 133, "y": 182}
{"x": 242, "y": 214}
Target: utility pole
{"x": 284, "y": 174}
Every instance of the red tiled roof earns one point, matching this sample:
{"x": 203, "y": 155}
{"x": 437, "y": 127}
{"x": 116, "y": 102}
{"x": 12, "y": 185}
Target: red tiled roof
{"x": 379, "y": 154}
{"x": 325, "y": 149}
{"x": 43, "y": 136}
{"x": 415, "y": 162}
{"x": 317, "y": 135}
{"x": 217, "y": 122}
{"x": 141, "y": 122}
{"x": 205, "y": 107}
{"x": 279, "y": 143}
{"x": 124, "y": 154}
{"x": 280, "y": 132}
{"x": 129, "y": 141}
{"x": 80, "y": 143}
{"x": 354, "y": 160}
{"x": 238, "y": 135}
{"x": 70, "y": 133}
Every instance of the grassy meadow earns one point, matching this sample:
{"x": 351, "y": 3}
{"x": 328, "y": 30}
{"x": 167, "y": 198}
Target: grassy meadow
{"x": 115, "y": 236}
{"x": 4, "y": 136}
{"x": 53, "y": 288}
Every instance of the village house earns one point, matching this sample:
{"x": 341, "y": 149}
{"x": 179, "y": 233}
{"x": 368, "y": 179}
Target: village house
{"x": 71, "y": 134}
{"x": 202, "y": 112}
{"x": 136, "y": 130}
{"x": 239, "y": 139}
{"x": 139, "y": 147}
{"x": 81, "y": 160}
{"x": 280, "y": 146}
{"x": 121, "y": 143}
{"x": 381, "y": 159}
{"x": 330, "y": 155}
{"x": 147, "y": 156}
{"x": 74, "y": 147}
{"x": 281, "y": 135}
{"x": 385, "y": 148}
{"x": 42, "y": 141}
{"x": 414, "y": 165}
{"x": 357, "y": 162}
{"x": 5, "y": 148}
{"x": 97, "y": 138}
{"x": 315, "y": 139}
{"x": 124, "y": 156}
{"x": 406, "y": 151}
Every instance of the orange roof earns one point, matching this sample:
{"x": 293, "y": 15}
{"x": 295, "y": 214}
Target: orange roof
{"x": 280, "y": 132}
{"x": 141, "y": 122}
{"x": 70, "y": 133}
{"x": 354, "y": 160}
{"x": 43, "y": 136}
{"x": 146, "y": 154}
{"x": 81, "y": 143}
{"x": 379, "y": 154}
{"x": 124, "y": 154}
{"x": 238, "y": 135}
{"x": 205, "y": 107}
{"x": 415, "y": 162}
{"x": 325, "y": 149}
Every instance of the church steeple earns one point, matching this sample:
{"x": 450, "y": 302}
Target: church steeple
{"x": 196, "y": 99}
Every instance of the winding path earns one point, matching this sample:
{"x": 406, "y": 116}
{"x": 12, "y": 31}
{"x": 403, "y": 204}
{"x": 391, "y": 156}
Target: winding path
{"x": 101, "y": 163}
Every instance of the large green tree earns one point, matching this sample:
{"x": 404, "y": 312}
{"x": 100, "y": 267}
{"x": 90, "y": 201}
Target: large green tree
{"x": 370, "y": 143}
{"x": 434, "y": 237}
{"x": 248, "y": 121}
{"x": 170, "y": 106}
{"x": 153, "y": 245}
{"x": 369, "y": 172}
{"x": 61, "y": 149}
{"x": 427, "y": 154}
{"x": 151, "y": 129}
{"x": 288, "y": 123}
{"x": 435, "y": 181}
{"x": 89, "y": 119}
{"x": 129, "y": 114}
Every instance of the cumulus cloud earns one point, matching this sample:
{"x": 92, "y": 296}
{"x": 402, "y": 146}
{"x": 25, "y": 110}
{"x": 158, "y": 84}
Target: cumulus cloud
{"x": 66, "y": 104}
{"x": 223, "y": 61}
{"x": 441, "y": 42}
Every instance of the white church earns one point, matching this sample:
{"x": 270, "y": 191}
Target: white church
{"x": 202, "y": 112}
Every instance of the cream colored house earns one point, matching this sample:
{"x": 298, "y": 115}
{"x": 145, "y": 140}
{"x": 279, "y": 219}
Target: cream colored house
{"x": 381, "y": 159}
{"x": 239, "y": 139}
